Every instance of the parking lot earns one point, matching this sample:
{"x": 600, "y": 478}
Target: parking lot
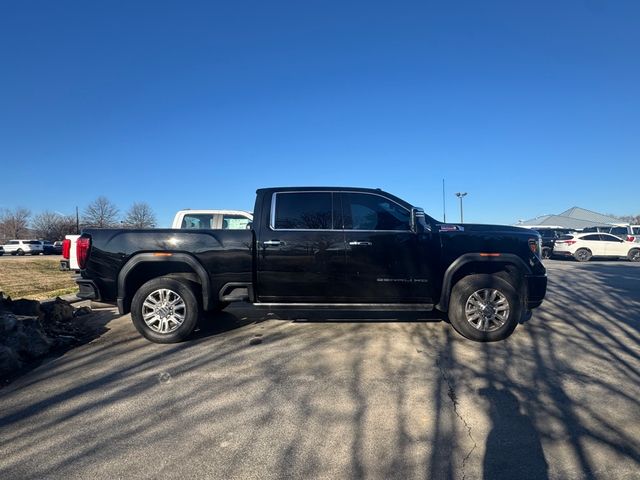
{"x": 345, "y": 394}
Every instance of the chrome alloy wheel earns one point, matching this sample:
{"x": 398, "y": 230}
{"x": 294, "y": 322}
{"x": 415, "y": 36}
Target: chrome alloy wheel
{"x": 487, "y": 309}
{"x": 582, "y": 255}
{"x": 163, "y": 310}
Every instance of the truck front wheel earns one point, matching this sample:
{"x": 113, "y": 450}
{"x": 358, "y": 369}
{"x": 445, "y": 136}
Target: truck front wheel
{"x": 484, "y": 308}
{"x": 165, "y": 310}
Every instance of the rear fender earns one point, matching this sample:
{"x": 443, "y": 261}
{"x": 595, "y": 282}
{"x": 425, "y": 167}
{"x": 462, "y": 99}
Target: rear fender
{"x": 124, "y": 302}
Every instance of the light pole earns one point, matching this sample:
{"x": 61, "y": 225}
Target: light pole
{"x": 460, "y": 195}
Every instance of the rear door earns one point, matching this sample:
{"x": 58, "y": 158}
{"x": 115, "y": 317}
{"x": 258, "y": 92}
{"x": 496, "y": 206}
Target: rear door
{"x": 301, "y": 254}
{"x": 386, "y": 261}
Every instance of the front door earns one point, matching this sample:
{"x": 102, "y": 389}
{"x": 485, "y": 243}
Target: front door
{"x": 386, "y": 261}
{"x": 613, "y": 246}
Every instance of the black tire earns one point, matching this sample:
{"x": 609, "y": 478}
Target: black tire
{"x": 462, "y": 294}
{"x": 634, "y": 255}
{"x": 546, "y": 252}
{"x": 582, "y": 255}
{"x": 179, "y": 288}
{"x": 20, "y": 252}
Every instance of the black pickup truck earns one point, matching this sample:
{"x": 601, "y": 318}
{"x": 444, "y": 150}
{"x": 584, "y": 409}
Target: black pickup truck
{"x": 318, "y": 247}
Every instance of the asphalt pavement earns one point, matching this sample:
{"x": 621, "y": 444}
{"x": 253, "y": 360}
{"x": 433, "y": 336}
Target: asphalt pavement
{"x": 316, "y": 394}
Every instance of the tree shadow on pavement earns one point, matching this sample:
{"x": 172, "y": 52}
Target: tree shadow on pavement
{"x": 380, "y": 399}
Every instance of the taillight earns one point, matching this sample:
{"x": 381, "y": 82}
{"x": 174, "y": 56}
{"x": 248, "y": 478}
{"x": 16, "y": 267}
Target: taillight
{"x": 570, "y": 242}
{"x": 66, "y": 248}
{"x": 631, "y": 238}
{"x": 82, "y": 251}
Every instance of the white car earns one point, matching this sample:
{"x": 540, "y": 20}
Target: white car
{"x": 20, "y": 247}
{"x": 583, "y": 246}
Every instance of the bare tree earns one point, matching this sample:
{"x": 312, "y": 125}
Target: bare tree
{"x": 67, "y": 226}
{"x": 100, "y": 213}
{"x": 53, "y": 226}
{"x": 14, "y": 223}
{"x": 140, "y": 215}
{"x": 45, "y": 224}
{"x": 631, "y": 219}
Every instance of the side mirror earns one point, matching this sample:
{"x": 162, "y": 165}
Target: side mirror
{"x": 419, "y": 221}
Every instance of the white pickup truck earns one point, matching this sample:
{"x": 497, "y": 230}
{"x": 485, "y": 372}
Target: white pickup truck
{"x": 184, "y": 219}
{"x": 212, "y": 219}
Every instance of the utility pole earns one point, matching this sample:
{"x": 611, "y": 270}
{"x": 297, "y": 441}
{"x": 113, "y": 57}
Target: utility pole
{"x": 460, "y": 195}
{"x": 444, "y": 208}
{"x": 77, "y": 222}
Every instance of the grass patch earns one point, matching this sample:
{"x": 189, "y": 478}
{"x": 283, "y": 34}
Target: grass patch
{"x": 35, "y": 278}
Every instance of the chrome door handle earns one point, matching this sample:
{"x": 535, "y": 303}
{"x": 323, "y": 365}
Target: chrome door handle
{"x": 272, "y": 243}
{"x": 360, "y": 244}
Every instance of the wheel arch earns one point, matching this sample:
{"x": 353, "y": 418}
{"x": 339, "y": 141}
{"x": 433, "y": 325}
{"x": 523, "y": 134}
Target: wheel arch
{"x": 146, "y": 266}
{"x": 511, "y": 267}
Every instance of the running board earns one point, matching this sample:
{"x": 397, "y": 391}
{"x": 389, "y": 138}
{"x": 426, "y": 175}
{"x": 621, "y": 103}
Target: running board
{"x": 367, "y": 306}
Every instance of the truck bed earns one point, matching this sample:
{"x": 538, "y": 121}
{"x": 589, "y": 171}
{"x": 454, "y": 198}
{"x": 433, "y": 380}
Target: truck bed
{"x": 226, "y": 255}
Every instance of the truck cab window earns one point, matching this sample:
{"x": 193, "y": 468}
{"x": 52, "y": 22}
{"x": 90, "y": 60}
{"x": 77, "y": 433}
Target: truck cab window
{"x": 364, "y": 211}
{"x": 197, "y": 222}
{"x": 235, "y": 222}
{"x": 303, "y": 211}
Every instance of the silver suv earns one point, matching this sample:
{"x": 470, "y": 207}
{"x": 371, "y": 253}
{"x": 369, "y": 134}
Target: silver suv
{"x": 630, "y": 233}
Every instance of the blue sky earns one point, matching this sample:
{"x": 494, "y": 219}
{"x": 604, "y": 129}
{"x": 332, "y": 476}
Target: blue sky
{"x": 531, "y": 107}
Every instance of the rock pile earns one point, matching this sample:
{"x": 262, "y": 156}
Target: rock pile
{"x": 30, "y": 330}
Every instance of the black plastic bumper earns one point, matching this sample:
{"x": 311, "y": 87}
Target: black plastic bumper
{"x": 88, "y": 290}
{"x": 536, "y": 290}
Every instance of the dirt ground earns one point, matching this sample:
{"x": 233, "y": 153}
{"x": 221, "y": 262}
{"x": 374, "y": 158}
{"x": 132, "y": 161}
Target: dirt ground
{"x": 35, "y": 278}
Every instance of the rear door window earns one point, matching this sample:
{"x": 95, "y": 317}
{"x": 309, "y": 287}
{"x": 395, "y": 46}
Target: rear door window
{"x": 235, "y": 222}
{"x": 303, "y": 211}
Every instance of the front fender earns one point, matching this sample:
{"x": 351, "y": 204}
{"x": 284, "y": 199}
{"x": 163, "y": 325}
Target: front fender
{"x": 490, "y": 259}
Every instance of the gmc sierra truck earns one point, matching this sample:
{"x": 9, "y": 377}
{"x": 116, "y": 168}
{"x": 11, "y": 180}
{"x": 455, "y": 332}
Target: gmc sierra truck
{"x": 318, "y": 247}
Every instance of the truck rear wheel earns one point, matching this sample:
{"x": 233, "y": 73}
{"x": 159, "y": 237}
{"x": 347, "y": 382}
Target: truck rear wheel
{"x": 484, "y": 308}
{"x": 165, "y": 310}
